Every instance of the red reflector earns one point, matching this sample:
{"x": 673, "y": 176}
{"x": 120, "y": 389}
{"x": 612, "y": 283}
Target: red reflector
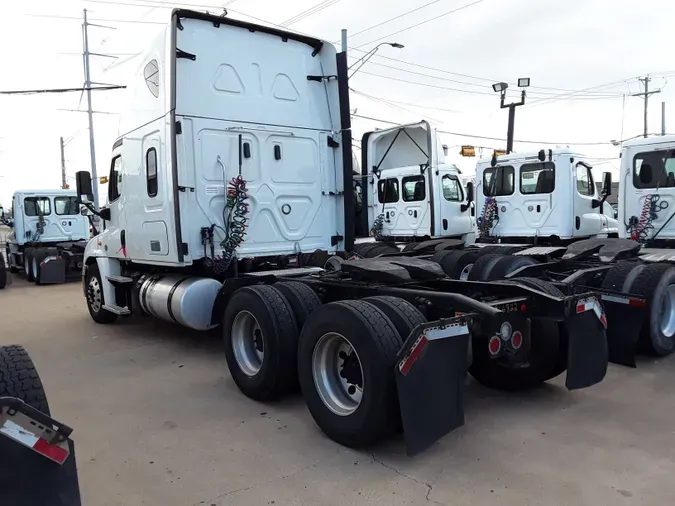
{"x": 581, "y": 308}
{"x": 494, "y": 345}
{"x": 54, "y": 452}
{"x": 516, "y": 339}
{"x": 523, "y": 308}
{"x": 406, "y": 364}
{"x": 637, "y": 302}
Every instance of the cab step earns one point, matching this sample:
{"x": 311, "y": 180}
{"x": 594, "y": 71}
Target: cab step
{"x": 118, "y": 310}
{"x": 120, "y": 280}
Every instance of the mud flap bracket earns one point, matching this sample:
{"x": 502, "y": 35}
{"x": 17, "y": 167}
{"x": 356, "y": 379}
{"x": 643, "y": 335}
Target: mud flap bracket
{"x": 430, "y": 377}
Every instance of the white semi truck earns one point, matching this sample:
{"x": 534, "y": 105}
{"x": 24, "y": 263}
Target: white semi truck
{"x": 48, "y": 235}
{"x": 412, "y": 194}
{"x": 233, "y": 161}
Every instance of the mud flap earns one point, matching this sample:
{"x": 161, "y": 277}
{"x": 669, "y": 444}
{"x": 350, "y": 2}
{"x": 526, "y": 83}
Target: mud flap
{"x": 52, "y": 270}
{"x": 431, "y": 376}
{"x": 587, "y": 354}
{"x": 33, "y": 471}
{"x": 625, "y": 317}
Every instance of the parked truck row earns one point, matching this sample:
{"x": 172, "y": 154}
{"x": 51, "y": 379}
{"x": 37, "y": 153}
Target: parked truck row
{"x": 232, "y": 178}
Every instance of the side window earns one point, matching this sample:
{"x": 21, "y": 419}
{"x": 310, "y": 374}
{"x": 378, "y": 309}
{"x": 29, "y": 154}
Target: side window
{"x": 151, "y": 171}
{"x": 537, "y": 178}
{"x": 452, "y": 190}
{"x": 151, "y": 75}
{"x": 115, "y": 179}
{"x": 585, "y": 184}
{"x": 66, "y": 206}
{"x": 387, "y": 190}
{"x": 35, "y": 206}
{"x": 498, "y": 181}
{"x": 414, "y": 188}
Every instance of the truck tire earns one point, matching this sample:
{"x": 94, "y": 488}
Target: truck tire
{"x": 364, "y": 249}
{"x": 38, "y": 256}
{"x": 302, "y": 298}
{"x": 3, "y": 273}
{"x": 483, "y": 266}
{"x": 409, "y": 247}
{"x": 382, "y": 249}
{"x": 458, "y": 264}
{"x": 19, "y": 378}
{"x": 261, "y": 342}
{"x": 488, "y": 250}
{"x": 656, "y": 283}
{"x": 95, "y": 298}
{"x": 509, "y": 264}
{"x": 541, "y": 285}
{"x": 28, "y": 263}
{"x": 344, "y": 346}
{"x": 404, "y": 315}
{"x": 438, "y": 256}
{"x": 542, "y": 361}
{"x": 617, "y": 275}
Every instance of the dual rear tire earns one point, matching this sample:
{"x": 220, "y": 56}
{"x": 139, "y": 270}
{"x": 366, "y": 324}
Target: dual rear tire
{"x": 342, "y": 354}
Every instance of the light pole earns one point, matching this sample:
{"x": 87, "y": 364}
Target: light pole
{"x": 523, "y": 82}
{"x": 362, "y": 61}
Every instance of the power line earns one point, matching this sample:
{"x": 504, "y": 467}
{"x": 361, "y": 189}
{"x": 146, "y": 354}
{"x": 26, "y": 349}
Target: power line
{"x": 422, "y": 23}
{"x": 394, "y": 18}
{"x": 484, "y": 137}
{"x": 309, "y": 12}
{"x": 62, "y": 90}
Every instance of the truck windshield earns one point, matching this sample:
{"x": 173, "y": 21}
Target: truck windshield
{"x": 37, "y": 205}
{"x": 498, "y": 181}
{"x": 66, "y": 206}
{"x": 654, "y": 169}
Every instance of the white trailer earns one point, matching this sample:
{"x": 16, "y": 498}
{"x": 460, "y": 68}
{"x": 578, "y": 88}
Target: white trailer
{"x": 233, "y": 161}
{"x": 48, "y": 235}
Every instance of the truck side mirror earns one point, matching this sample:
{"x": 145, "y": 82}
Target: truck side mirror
{"x": 606, "y": 184}
{"x": 83, "y": 185}
{"x": 469, "y": 192}
{"x": 105, "y": 213}
{"x": 469, "y": 197}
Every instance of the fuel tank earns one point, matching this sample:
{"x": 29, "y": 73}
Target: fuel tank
{"x": 186, "y": 300}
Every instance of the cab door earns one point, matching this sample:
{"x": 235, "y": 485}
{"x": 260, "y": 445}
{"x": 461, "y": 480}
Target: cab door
{"x": 587, "y": 219}
{"x": 414, "y": 216}
{"x": 114, "y": 238}
{"x": 453, "y": 221}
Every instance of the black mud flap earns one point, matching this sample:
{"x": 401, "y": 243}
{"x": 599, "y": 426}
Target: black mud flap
{"x": 52, "y": 270}
{"x": 431, "y": 376}
{"x": 625, "y": 317}
{"x": 33, "y": 471}
{"x": 587, "y": 355}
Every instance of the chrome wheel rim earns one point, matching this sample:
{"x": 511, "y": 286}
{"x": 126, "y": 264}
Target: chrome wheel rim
{"x": 26, "y": 267}
{"x": 248, "y": 344}
{"x": 94, "y": 295}
{"x": 464, "y": 275}
{"x": 338, "y": 374}
{"x": 668, "y": 315}
{"x": 35, "y": 267}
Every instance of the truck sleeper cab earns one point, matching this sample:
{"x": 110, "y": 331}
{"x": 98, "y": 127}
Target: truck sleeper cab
{"x": 211, "y": 206}
{"x": 545, "y": 197}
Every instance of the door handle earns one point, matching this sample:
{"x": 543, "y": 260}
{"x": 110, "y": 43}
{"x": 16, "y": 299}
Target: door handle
{"x": 415, "y": 214}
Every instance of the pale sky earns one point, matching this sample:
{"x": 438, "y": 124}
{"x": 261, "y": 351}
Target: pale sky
{"x": 597, "y": 47}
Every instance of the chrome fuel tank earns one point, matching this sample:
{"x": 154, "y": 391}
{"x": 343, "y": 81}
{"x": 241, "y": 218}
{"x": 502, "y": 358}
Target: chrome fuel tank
{"x": 186, "y": 300}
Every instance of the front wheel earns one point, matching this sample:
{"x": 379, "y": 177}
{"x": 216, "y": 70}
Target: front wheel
{"x": 28, "y": 263}
{"x": 95, "y": 298}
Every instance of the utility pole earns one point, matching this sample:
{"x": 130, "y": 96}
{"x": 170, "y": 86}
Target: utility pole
{"x": 344, "y": 40}
{"x": 663, "y": 118}
{"x": 646, "y": 94}
{"x": 63, "y": 165}
{"x": 90, "y": 112}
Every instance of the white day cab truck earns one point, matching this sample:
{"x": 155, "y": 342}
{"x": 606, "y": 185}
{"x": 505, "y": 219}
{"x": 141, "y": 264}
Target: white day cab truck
{"x": 410, "y": 194}
{"x": 540, "y": 215}
{"x": 48, "y": 235}
{"x": 233, "y": 162}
